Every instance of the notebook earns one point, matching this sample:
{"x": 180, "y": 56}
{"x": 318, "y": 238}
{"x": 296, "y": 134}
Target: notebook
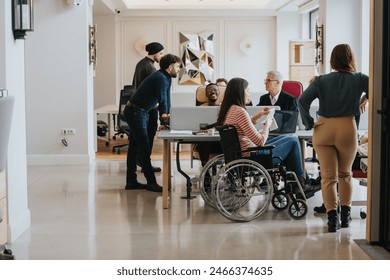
{"x": 286, "y": 121}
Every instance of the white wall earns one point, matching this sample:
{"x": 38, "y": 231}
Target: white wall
{"x": 12, "y": 78}
{"x": 105, "y": 81}
{"x": 59, "y": 83}
{"x": 344, "y": 23}
{"x": 288, "y": 28}
{"x": 230, "y": 28}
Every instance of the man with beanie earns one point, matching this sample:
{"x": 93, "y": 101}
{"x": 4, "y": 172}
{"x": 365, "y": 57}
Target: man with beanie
{"x": 143, "y": 69}
{"x": 152, "y": 93}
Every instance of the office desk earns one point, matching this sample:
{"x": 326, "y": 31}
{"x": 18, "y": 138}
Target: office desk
{"x": 110, "y": 109}
{"x": 181, "y": 137}
{"x": 304, "y": 135}
{"x": 185, "y": 137}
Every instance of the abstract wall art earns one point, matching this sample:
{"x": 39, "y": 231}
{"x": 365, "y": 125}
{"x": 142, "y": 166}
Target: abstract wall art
{"x": 197, "y": 54}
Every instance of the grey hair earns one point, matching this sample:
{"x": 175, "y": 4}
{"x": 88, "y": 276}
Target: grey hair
{"x": 276, "y": 75}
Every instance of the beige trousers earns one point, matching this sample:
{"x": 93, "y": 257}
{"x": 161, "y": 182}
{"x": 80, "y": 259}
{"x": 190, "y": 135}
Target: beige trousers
{"x": 335, "y": 142}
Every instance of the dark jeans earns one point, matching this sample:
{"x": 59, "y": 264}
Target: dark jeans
{"x": 139, "y": 147}
{"x": 287, "y": 147}
{"x": 152, "y": 126}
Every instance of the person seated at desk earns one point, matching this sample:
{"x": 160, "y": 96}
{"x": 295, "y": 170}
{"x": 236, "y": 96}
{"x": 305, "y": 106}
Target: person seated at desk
{"x": 212, "y": 93}
{"x": 275, "y": 96}
{"x": 233, "y": 112}
{"x": 207, "y": 148}
{"x": 221, "y": 82}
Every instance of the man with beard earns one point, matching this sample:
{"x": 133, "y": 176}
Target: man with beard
{"x": 143, "y": 69}
{"x": 154, "y": 92}
{"x": 205, "y": 149}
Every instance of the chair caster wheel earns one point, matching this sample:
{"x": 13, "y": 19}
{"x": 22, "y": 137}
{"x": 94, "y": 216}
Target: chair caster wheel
{"x": 7, "y": 252}
{"x": 363, "y": 214}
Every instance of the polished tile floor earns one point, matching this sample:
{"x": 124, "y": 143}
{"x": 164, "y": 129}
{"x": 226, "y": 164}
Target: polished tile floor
{"x": 84, "y": 213}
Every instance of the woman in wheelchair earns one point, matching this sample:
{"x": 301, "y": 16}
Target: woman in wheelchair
{"x": 287, "y": 147}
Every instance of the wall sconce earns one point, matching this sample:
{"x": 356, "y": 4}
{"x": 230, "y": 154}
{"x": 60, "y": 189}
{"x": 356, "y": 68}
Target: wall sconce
{"x": 319, "y": 43}
{"x": 92, "y": 45}
{"x": 22, "y": 17}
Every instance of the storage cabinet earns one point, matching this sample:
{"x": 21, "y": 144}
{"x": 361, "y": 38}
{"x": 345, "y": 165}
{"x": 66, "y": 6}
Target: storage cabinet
{"x": 302, "y": 61}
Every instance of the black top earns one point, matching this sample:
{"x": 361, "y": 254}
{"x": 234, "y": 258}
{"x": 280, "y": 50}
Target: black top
{"x": 339, "y": 94}
{"x": 143, "y": 69}
{"x": 286, "y": 102}
{"x": 154, "y": 91}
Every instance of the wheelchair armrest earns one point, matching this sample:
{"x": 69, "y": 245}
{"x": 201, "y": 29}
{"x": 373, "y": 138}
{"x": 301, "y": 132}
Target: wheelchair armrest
{"x": 208, "y": 126}
{"x": 259, "y": 148}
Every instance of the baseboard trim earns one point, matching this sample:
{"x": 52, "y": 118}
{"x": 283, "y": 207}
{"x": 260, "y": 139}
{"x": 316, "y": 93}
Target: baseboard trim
{"x": 75, "y": 159}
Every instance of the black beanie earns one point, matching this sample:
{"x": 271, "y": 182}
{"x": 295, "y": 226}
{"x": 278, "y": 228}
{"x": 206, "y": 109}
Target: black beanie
{"x": 153, "y": 48}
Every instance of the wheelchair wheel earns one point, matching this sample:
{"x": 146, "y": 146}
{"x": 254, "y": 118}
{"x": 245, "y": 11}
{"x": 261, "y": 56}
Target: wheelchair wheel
{"x": 297, "y": 209}
{"x": 207, "y": 179}
{"x": 243, "y": 190}
{"x": 279, "y": 201}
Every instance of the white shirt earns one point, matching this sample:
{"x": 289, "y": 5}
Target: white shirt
{"x": 275, "y": 98}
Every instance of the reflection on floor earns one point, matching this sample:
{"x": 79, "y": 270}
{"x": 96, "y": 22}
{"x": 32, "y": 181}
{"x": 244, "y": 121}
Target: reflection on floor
{"x": 83, "y": 212}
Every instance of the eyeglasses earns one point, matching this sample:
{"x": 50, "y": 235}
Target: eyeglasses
{"x": 269, "y": 80}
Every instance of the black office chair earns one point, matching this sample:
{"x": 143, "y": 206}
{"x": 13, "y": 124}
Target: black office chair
{"x": 122, "y": 128}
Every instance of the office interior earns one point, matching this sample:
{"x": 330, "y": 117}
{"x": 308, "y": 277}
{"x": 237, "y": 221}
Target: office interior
{"x": 56, "y": 86}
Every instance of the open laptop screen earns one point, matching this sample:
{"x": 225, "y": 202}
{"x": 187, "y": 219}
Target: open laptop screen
{"x": 286, "y": 121}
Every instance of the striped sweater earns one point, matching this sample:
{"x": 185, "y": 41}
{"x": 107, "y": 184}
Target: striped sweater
{"x": 247, "y": 132}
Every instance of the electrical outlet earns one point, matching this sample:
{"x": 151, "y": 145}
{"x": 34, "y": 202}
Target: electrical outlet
{"x": 68, "y": 131}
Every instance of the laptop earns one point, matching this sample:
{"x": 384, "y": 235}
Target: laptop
{"x": 287, "y": 122}
{"x": 190, "y": 118}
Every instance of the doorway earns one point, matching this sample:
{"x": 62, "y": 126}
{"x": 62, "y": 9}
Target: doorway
{"x": 384, "y": 218}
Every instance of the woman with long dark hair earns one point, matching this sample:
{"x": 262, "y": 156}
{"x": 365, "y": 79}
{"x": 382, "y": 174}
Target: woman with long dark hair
{"x": 233, "y": 112}
{"x": 335, "y": 133}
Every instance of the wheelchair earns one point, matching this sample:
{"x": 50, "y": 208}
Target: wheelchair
{"x": 241, "y": 188}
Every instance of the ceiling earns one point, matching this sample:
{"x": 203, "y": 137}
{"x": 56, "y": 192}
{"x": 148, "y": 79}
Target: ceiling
{"x": 117, "y": 6}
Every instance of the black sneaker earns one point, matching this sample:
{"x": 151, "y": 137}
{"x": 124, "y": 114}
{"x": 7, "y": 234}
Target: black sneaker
{"x": 155, "y": 169}
{"x": 309, "y": 190}
{"x": 135, "y": 186}
{"x": 154, "y": 188}
{"x": 320, "y": 209}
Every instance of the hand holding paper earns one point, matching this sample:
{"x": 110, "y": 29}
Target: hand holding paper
{"x": 270, "y": 121}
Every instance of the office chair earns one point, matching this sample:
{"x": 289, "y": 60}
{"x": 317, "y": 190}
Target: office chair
{"x": 122, "y": 128}
{"x": 200, "y": 99}
{"x": 295, "y": 88}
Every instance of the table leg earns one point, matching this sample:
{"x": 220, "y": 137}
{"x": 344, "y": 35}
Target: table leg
{"x": 188, "y": 179}
{"x": 109, "y": 126}
{"x": 166, "y": 172}
{"x": 303, "y": 150}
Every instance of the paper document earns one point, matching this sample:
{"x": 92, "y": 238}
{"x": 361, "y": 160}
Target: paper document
{"x": 271, "y": 120}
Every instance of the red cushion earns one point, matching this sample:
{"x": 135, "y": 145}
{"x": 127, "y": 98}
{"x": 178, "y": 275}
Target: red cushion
{"x": 359, "y": 174}
{"x": 294, "y": 88}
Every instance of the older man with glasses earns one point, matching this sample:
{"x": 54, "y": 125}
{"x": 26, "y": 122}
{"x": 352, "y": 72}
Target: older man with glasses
{"x": 275, "y": 96}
